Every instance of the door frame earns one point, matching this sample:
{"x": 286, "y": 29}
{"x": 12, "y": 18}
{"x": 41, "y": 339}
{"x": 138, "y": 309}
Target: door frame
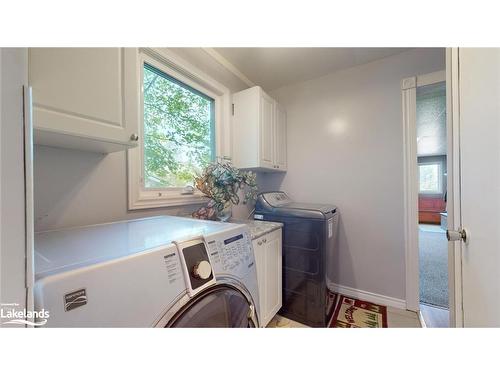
{"x": 409, "y": 87}
{"x": 453, "y": 203}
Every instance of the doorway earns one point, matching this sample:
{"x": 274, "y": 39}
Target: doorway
{"x": 432, "y": 197}
{"x": 427, "y": 187}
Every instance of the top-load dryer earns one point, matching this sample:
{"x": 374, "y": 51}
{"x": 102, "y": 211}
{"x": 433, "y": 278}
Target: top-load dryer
{"x": 309, "y": 246}
{"x": 157, "y": 272}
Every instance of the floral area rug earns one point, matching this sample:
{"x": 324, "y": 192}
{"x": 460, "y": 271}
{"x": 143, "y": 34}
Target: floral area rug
{"x": 354, "y": 313}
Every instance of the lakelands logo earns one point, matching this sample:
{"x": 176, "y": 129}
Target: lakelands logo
{"x": 12, "y": 315}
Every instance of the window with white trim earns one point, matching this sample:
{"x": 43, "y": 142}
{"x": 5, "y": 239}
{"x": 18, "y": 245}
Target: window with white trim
{"x": 180, "y": 117}
{"x": 178, "y": 128}
{"x": 430, "y": 178}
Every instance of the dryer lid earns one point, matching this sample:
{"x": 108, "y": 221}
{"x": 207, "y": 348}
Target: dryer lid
{"x": 278, "y": 202}
{"x": 67, "y": 249}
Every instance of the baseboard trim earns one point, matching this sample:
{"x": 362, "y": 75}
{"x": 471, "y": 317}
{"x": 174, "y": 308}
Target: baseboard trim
{"x": 369, "y": 296}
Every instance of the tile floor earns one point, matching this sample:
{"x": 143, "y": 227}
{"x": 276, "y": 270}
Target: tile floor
{"x": 281, "y": 322}
{"x": 435, "y": 317}
{"x": 396, "y": 318}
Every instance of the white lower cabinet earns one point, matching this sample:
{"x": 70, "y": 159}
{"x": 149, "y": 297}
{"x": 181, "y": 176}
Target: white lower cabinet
{"x": 267, "y": 251}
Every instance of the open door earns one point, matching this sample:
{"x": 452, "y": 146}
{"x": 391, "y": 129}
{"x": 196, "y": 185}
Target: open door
{"x": 475, "y": 80}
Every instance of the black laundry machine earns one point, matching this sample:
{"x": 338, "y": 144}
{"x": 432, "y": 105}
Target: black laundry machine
{"x": 309, "y": 241}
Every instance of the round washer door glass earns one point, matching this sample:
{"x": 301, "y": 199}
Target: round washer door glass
{"x": 221, "y": 307}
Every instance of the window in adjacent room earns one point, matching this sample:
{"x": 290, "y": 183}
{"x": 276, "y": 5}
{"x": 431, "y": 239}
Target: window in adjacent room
{"x": 430, "y": 177}
{"x": 179, "y": 125}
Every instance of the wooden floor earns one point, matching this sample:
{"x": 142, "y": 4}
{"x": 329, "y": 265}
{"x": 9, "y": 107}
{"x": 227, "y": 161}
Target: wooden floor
{"x": 435, "y": 317}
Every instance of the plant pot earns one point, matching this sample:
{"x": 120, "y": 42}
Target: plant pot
{"x": 225, "y": 214}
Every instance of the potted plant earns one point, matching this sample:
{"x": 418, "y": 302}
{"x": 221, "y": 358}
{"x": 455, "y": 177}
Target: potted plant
{"x": 221, "y": 182}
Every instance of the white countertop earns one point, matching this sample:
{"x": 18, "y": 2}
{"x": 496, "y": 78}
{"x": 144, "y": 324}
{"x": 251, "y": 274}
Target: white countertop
{"x": 258, "y": 228}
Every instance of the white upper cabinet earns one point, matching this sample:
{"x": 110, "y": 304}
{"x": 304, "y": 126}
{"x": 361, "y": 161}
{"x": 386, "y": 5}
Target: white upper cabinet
{"x": 266, "y": 131}
{"x": 259, "y": 131}
{"x": 280, "y": 137}
{"x": 85, "y": 98}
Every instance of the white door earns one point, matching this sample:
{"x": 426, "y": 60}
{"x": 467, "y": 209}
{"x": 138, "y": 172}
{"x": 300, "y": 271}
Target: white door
{"x": 258, "y": 249}
{"x": 273, "y": 272}
{"x": 280, "y": 138}
{"x": 479, "y": 149}
{"x": 266, "y": 131}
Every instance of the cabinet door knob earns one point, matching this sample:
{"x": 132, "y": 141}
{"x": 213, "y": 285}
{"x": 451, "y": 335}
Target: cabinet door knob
{"x": 134, "y": 137}
{"x": 259, "y": 243}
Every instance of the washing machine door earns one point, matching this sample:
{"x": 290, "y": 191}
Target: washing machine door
{"x": 217, "y": 307}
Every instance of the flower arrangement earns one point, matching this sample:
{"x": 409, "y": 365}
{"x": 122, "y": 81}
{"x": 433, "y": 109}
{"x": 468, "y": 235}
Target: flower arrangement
{"x": 220, "y": 182}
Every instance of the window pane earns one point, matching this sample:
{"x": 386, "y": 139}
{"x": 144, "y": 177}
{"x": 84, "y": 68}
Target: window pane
{"x": 429, "y": 178}
{"x": 178, "y": 130}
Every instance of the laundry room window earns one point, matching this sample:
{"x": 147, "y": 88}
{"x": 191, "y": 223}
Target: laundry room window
{"x": 179, "y": 136}
{"x": 182, "y": 115}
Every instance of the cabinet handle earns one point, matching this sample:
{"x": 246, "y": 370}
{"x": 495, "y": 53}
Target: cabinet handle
{"x": 264, "y": 240}
{"x": 259, "y": 243}
{"x": 134, "y": 137}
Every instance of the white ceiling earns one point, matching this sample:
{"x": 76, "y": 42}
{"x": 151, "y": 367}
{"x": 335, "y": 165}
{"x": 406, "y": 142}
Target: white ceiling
{"x": 272, "y": 68}
{"x": 431, "y": 120}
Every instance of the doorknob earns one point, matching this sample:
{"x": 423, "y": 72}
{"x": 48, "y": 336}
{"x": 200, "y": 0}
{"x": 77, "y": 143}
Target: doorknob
{"x": 457, "y": 235}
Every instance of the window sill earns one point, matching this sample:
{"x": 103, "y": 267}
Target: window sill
{"x": 431, "y": 195}
{"x": 172, "y": 200}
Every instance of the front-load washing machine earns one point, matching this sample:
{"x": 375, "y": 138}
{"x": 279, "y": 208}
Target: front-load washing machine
{"x": 158, "y": 272}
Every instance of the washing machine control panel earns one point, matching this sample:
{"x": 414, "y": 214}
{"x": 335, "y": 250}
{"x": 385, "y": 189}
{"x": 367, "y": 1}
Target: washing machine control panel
{"x": 232, "y": 254}
{"x": 277, "y": 198}
{"x": 196, "y": 265}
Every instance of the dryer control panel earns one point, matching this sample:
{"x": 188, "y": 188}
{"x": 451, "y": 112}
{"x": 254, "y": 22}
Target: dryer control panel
{"x": 232, "y": 254}
{"x": 196, "y": 265}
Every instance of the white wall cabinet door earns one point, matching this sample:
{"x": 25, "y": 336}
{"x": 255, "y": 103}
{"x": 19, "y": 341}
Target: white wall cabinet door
{"x": 267, "y": 133}
{"x": 268, "y": 260}
{"x": 280, "y": 138}
{"x": 85, "y": 98}
{"x": 259, "y": 131}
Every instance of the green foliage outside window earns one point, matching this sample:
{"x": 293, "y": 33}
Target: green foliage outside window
{"x": 178, "y": 131}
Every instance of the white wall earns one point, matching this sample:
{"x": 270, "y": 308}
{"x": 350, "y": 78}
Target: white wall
{"x": 79, "y": 188}
{"x": 13, "y": 75}
{"x": 345, "y": 147}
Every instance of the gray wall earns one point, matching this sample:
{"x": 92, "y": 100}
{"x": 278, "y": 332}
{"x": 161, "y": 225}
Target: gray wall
{"x": 345, "y": 146}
